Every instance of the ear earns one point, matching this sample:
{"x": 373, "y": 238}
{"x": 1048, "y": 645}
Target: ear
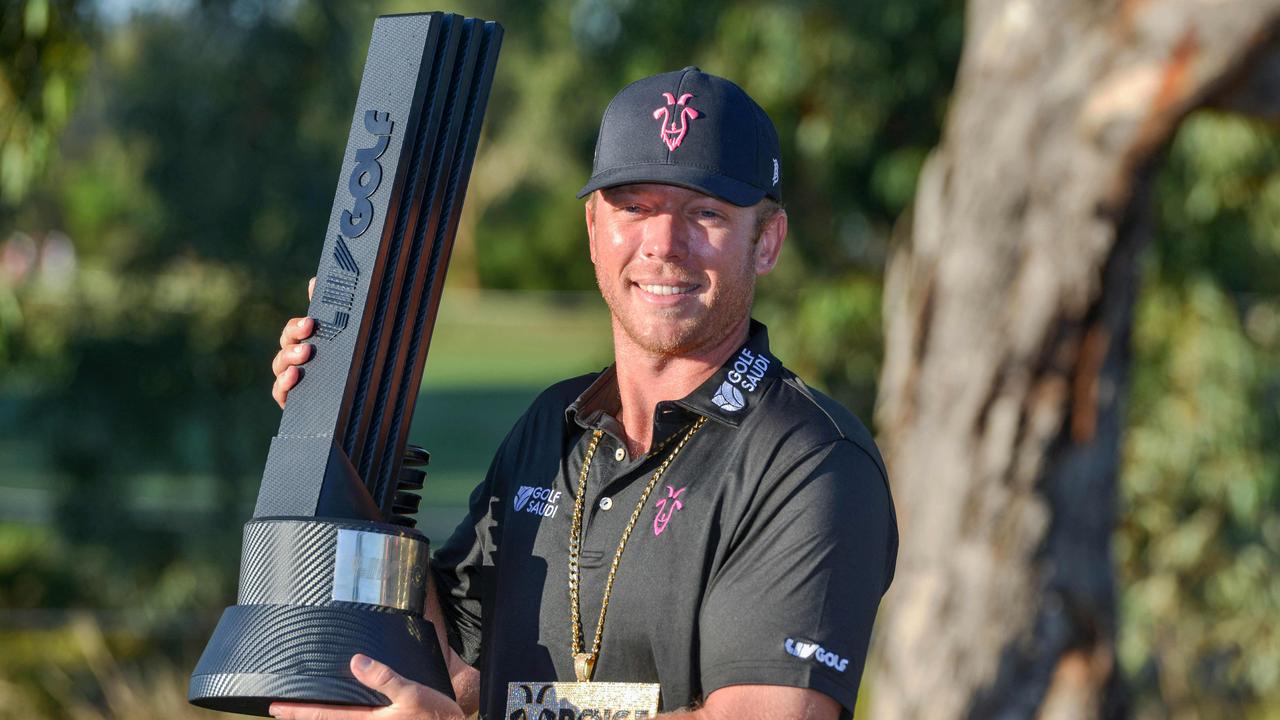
{"x": 591, "y": 226}
{"x": 770, "y": 243}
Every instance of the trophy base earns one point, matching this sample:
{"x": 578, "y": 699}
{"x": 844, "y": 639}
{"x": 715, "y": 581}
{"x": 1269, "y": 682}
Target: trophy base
{"x": 260, "y": 654}
{"x": 249, "y": 694}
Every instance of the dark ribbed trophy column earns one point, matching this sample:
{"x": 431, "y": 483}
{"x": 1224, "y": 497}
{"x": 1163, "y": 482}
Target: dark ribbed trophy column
{"x": 331, "y": 564}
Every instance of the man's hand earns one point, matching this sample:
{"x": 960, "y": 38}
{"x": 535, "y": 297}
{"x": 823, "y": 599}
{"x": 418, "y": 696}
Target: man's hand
{"x": 293, "y": 352}
{"x": 409, "y": 700}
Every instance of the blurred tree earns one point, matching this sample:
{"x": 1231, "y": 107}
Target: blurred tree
{"x": 1009, "y": 305}
{"x": 43, "y": 52}
{"x": 200, "y": 164}
{"x": 1199, "y": 541}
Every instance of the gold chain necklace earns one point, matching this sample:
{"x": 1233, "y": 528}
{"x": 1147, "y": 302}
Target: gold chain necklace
{"x": 584, "y": 663}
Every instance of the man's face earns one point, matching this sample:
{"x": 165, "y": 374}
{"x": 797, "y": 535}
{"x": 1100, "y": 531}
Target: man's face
{"x": 676, "y": 267}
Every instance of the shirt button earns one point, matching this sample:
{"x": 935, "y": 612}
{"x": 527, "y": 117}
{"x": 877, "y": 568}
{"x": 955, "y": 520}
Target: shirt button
{"x": 606, "y": 503}
{"x": 619, "y": 455}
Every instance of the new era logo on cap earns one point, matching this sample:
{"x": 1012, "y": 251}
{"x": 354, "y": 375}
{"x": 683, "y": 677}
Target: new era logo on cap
{"x": 711, "y": 137}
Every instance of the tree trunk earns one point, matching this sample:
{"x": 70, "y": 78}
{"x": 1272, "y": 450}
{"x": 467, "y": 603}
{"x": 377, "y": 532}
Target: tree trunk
{"x": 1008, "y": 304}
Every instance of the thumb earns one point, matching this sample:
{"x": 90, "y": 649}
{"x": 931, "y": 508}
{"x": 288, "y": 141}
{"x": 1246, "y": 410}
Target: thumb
{"x": 378, "y": 676}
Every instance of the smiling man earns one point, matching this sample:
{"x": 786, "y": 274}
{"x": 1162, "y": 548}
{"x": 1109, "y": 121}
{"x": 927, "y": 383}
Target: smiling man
{"x": 694, "y": 517}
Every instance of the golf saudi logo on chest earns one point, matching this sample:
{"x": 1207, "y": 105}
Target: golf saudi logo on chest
{"x": 540, "y": 501}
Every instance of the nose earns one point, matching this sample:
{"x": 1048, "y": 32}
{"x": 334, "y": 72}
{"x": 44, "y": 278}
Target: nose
{"x": 666, "y": 237}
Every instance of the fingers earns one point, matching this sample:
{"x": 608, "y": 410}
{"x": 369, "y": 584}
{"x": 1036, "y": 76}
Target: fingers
{"x": 285, "y": 367}
{"x": 285, "y": 382}
{"x": 296, "y": 330}
{"x": 380, "y": 677}
{"x": 290, "y": 356}
{"x": 412, "y": 699}
{"x": 293, "y": 352}
{"x": 409, "y": 700}
{"x": 301, "y": 711}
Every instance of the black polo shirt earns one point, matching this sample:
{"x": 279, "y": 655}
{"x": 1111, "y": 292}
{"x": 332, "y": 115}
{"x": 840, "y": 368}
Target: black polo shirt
{"x": 760, "y": 557}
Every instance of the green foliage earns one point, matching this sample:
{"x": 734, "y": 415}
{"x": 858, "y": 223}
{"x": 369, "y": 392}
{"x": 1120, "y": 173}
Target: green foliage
{"x": 1200, "y": 539}
{"x": 857, "y": 93}
{"x": 42, "y": 55}
{"x": 202, "y": 162}
{"x": 830, "y": 330}
{"x": 175, "y": 232}
{"x": 164, "y": 185}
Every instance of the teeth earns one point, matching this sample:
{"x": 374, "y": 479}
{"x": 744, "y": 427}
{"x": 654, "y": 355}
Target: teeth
{"x": 668, "y": 289}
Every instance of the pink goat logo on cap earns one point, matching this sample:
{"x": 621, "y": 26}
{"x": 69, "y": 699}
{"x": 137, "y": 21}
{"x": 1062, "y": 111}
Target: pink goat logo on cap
{"x": 674, "y": 128}
{"x": 667, "y": 507}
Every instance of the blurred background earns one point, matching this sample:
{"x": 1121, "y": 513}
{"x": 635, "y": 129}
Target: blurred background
{"x": 166, "y": 171}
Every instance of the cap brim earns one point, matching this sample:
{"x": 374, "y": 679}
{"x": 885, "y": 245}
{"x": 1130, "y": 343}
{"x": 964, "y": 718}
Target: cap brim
{"x": 703, "y": 181}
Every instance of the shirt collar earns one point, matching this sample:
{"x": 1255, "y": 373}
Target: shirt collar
{"x": 734, "y": 391}
{"x": 598, "y": 402}
{"x": 729, "y": 395}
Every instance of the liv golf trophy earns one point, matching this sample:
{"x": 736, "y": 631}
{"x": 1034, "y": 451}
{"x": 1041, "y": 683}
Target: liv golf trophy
{"x": 331, "y": 564}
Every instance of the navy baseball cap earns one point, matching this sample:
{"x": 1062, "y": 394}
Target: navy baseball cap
{"x": 690, "y": 129}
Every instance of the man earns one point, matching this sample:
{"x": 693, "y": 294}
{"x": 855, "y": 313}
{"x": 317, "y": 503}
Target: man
{"x": 754, "y": 512}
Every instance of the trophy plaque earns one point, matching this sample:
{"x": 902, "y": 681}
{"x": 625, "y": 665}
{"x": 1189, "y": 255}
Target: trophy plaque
{"x": 331, "y": 563}
{"x": 582, "y": 700}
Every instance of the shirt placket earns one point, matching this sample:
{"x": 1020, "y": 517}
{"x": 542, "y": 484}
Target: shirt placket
{"x": 614, "y": 481}
{"x": 612, "y": 473}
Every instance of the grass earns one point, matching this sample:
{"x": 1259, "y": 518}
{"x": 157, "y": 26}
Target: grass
{"x": 79, "y": 677}
{"x": 492, "y": 339}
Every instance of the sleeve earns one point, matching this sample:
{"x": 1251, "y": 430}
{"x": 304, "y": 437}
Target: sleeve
{"x": 459, "y": 565}
{"x": 794, "y": 602}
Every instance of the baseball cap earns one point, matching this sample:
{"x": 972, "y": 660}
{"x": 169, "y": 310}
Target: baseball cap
{"x": 690, "y": 129}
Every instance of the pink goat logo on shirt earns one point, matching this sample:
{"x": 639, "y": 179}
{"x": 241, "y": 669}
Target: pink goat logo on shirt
{"x": 667, "y": 507}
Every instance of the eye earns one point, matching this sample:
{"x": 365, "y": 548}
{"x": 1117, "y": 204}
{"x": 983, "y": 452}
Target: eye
{"x": 708, "y": 214}
{"x": 629, "y": 208}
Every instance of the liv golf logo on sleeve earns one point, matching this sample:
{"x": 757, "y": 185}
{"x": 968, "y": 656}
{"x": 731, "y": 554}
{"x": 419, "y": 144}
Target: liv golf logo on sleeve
{"x": 808, "y": 650}
{"x": 543, "y": 502}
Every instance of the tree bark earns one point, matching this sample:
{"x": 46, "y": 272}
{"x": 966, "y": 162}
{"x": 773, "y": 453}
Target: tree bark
{"x": 1008, "y": 304}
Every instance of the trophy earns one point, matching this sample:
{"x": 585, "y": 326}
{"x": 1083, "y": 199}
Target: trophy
{"x": 331, "y": 563}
